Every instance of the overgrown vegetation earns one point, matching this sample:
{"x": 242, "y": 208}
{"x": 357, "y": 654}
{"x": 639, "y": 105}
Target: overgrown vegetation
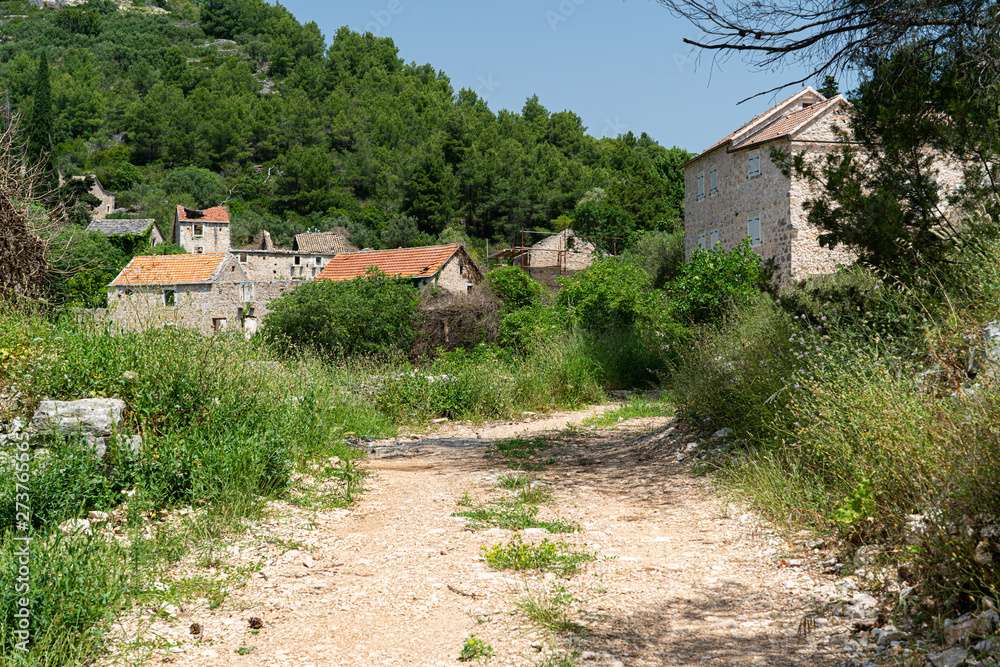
{"x": 857, "y": 415}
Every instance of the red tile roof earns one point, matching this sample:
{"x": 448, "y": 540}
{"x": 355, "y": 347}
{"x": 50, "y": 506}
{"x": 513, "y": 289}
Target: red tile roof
{"x": 170, "y": 269}
{"x": 214, "y": 214}
{"x": 776, "y": 123}
{"x": 788, "y": 124}
{"x": 402, "y": 263}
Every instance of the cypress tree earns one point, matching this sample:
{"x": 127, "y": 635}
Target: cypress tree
{"x": 41, "y": 110}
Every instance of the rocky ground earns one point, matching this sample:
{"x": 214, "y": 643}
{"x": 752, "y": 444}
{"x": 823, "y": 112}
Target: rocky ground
{"x": 682, "y": 578}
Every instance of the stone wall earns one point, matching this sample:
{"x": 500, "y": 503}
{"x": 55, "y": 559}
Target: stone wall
{"x": 737, "y": 197}
{"x": 545, "y": 253}
{"x": 206, "y": 308}
{"x": 280, "y": 264}
{"x": 455, "y": 276}
{"x": 214, "y": 237}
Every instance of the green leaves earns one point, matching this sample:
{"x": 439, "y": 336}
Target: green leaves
{"x": 714, "y": 282}
{"x": 361, "y": 317}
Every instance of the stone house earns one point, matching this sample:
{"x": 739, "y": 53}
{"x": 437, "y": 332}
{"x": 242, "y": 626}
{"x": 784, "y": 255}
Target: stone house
{"x": 202, "y": 231}
{"x": 107, "y": 204}
{"x": 208, "y": 292}
{"x": 447, "y": 267}
{"x": 561, "y": 254}
{"x": 146, "y": 228}
{"x": 734, "y": 190}
{"x": 310, "y": 253}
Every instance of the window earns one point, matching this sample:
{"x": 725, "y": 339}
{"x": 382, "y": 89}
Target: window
{"x": 319, "y": 261}
{"x": 753, "y": 164}
{"x": 198, "y": 250}
{"x": 243, "y": 258}
{"x": 219, "y": 324}
{"x": 753, "y": 228}
{"x": 701, "y": 185}
{"x": 246, "y": 292}
{"x": 199, "y": 230}
{"x": 297, "y": 260}
{"x": 715, "y": 238}
{"x": 168, "y": 297}
{"x": 712, "y": 180}
{"x": 701, "y": 240}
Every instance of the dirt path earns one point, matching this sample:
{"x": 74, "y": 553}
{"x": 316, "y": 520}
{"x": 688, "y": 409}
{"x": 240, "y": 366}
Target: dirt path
{"x": 685, "y": 579}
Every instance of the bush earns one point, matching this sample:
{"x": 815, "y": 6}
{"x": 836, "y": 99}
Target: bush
{"x": 609, "y": 295}
{"x": 368, "y": 316}
{"x": 738, "y": 374}
{"x": 717, "y": 281}
{"x": 659, "y": 254}
{"x": 515, "y": 288}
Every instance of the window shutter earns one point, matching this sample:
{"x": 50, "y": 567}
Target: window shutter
{"x": 701, "y": 240}
{"x": 701, "y": 184}
{"x": 753, "y": 164}
{"x": 712, "y": 180}
{"x": 753, "y": 228}
{"x": 715, "y": 238}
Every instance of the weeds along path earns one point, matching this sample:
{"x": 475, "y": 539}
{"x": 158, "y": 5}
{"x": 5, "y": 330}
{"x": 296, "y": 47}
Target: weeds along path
{"x": 399, "y": 580}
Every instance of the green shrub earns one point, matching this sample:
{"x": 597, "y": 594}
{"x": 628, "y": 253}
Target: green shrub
{"x": 659, "y": 254}
{"x": 611, "y": 294}
{"x": 739, "y": 373}
{"x": 366, "y": 316}
{"x": 515, "y": 288}
{"x": 716, "y": 281}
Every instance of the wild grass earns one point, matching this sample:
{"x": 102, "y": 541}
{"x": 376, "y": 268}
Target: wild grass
{"x": 558, "y": 557}
{"x": 852, "y": 418}
{"x": 637, "y": 407}
{"x": 551, "y": 609}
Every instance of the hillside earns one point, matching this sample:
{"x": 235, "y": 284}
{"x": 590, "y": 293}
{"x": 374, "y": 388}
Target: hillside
{"x": 236, "y": 101}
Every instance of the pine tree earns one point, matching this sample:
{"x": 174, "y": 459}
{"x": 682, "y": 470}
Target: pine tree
{"x": 830, "y": 87}
{"x": 41, "y": 112}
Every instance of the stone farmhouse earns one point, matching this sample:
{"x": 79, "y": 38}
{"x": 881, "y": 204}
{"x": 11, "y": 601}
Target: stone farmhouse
{"x": 734, "y": 190}
{"x": 146, "y": 228}
{"x": 448, "y": 267}
{"x": 208, "y": 292}
{"x": 561, "y": 254}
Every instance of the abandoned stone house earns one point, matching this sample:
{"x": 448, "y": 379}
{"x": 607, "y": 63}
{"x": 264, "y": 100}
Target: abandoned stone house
{"x": 106, "y": 205}
{"x": 448, "y": 267}
{"x": 202, "y": 231}
{"x": 561, "y": 254}
{"x": 208, "y": 292}
{"x": 556, "y": 255}
{"x": 146, "y": 228}
{"x": 734, "y": 190}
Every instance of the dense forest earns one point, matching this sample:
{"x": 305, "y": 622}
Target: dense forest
{"x": 235, "y": 101}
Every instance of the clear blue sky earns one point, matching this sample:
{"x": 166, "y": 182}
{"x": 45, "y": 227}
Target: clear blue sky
{"x": 620, "y": 64}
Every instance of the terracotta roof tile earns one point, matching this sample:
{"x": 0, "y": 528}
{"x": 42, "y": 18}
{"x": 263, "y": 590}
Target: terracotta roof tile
{"x": 402, "y": 263}
{"x": 762, "y": 122}
{"x": 787, "y": 124}
{"x": 170, "y": 269}
{"x": 214, "y": 214}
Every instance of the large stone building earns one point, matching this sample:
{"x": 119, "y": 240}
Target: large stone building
{"x": 446, "y": 267}
{"x": 209, "y": 292}
{"x": 734, "y": 190}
